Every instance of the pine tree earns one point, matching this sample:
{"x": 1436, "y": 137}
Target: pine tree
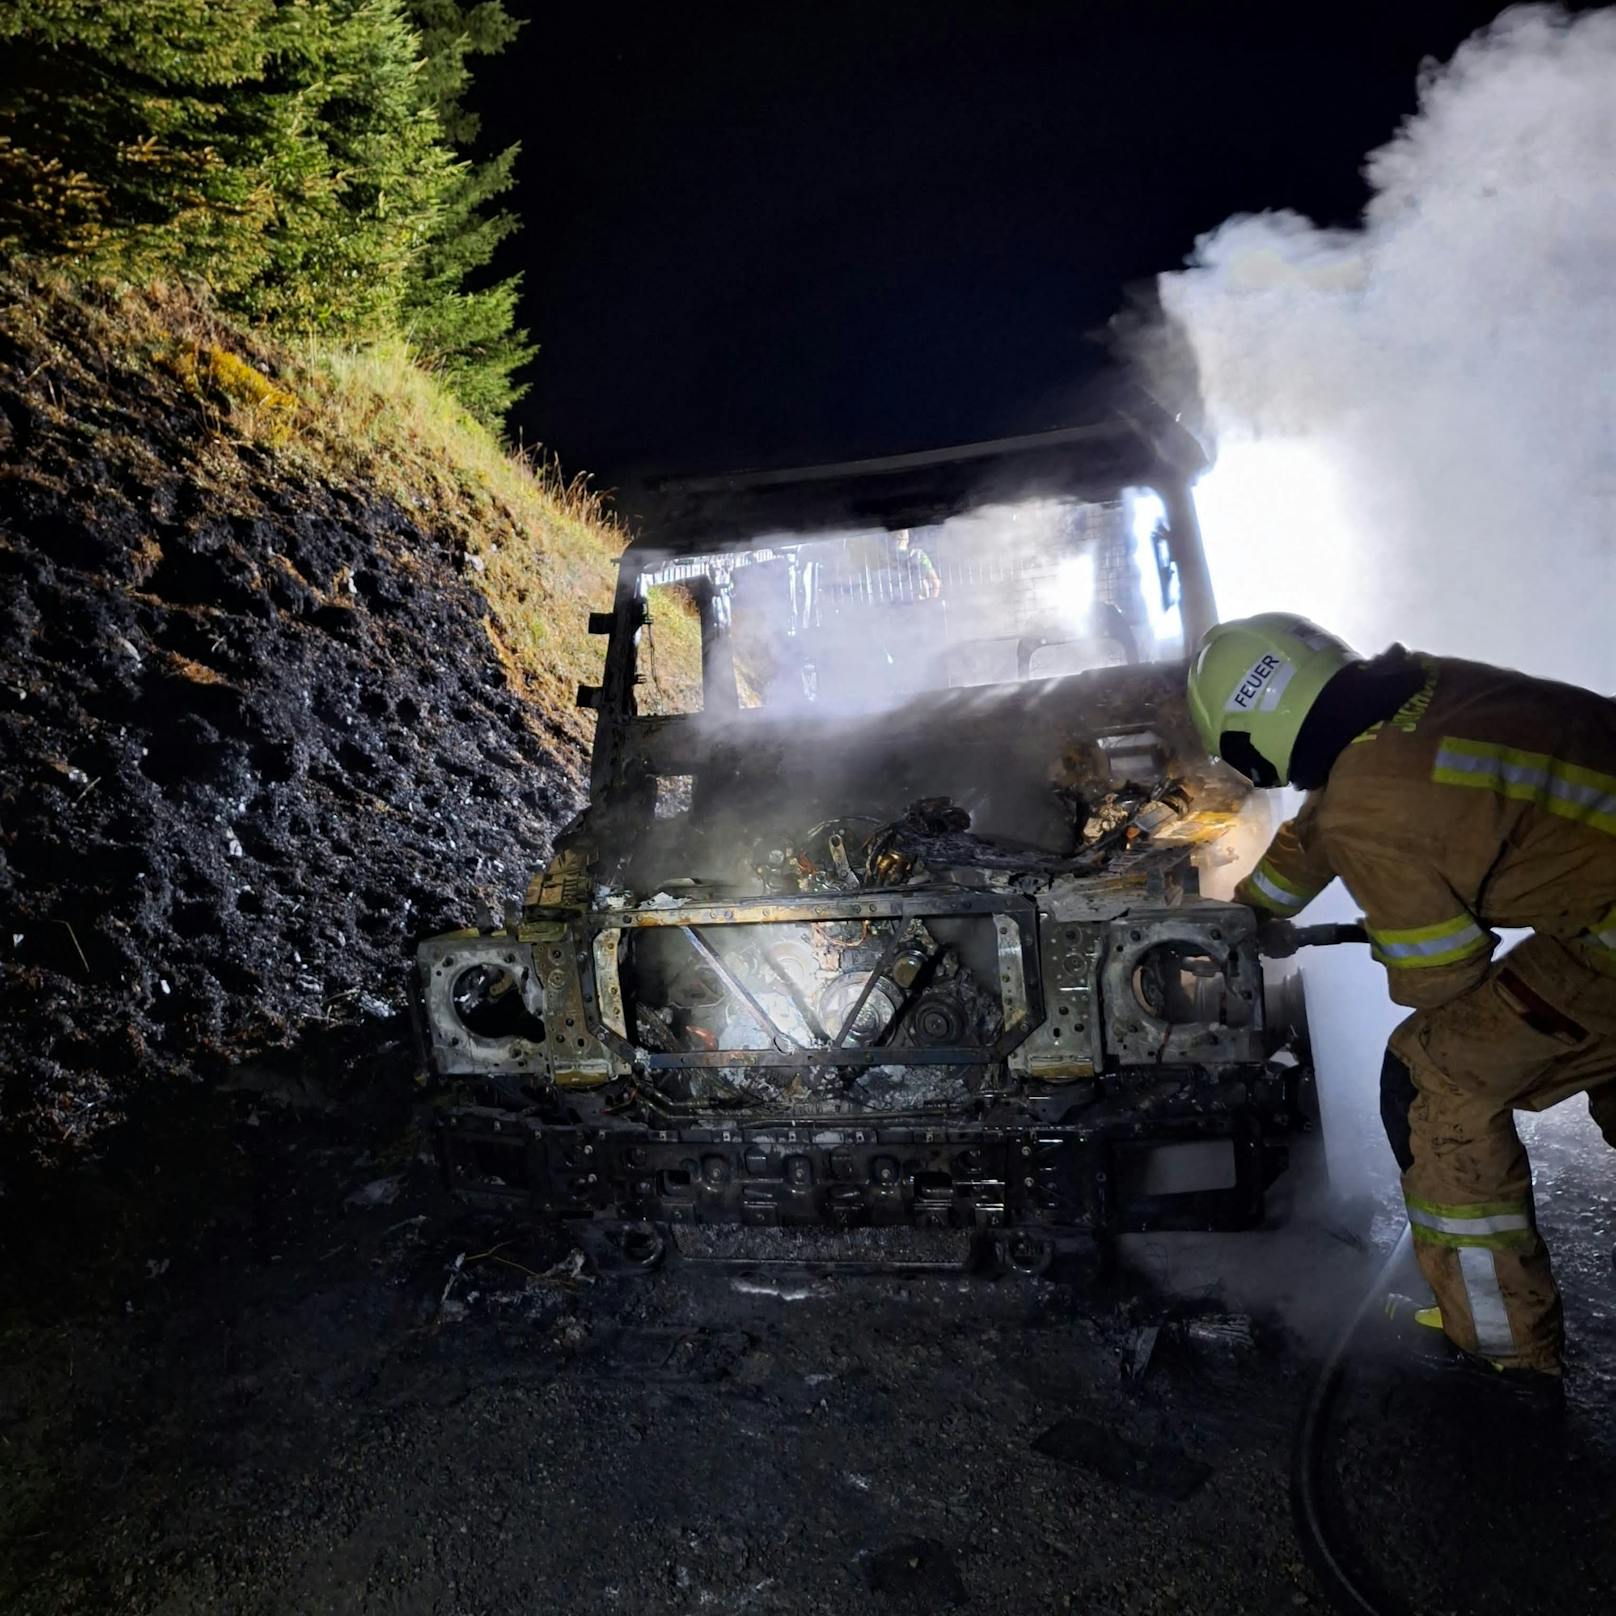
{"x": 450, "y": 32}
{"x": 128, "y": 138}
{"x": 467, "y": 333}
{"x": 294, "y": 154}
{"x": 280, "y": 150}
{"x": 348, "y": 236}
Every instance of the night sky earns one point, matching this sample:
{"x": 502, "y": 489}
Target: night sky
{"x": 786, "y": 233}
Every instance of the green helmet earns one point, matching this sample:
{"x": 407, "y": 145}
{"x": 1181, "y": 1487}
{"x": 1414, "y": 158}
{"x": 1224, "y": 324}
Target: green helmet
{"x": 1252, "y": 683}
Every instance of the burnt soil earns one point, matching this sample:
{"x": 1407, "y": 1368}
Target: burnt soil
{"x": 254, "y": 1360}
{"x": 254, "y": 740}
{"x": 339, "y": 1392}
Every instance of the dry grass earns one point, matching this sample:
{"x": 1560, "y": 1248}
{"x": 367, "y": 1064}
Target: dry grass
{"x": 670, "y": 653}
{"x": 542, "y": 550}
{"x": 547, "y": 546}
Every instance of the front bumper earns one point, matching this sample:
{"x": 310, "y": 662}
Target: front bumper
{"x": 1196, "y": 1173}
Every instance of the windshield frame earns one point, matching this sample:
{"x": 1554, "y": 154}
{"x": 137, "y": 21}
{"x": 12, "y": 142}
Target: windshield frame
{"x": 646, "y": 565}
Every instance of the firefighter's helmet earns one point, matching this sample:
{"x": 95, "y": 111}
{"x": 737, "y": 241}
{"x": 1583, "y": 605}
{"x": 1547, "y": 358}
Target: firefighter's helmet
{"x": 1252, "y": 683}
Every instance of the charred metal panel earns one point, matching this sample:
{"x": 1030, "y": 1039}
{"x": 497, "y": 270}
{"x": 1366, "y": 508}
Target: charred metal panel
{"x": 1127, "y": 438}
{"x": 887, "y": 1174}
{"x": 577, "y": 1057}
{"x": 447, "y": 966}
{"x": 1184, "y": 986}
{"x": 544, "y": 1038}
{"x": 1069, "y": 1042}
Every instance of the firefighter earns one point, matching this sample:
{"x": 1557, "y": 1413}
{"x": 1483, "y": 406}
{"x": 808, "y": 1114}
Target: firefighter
{"x": 889, "y": 569}
{"x": 1450, "y": 797}
{"x": 915, "y": 567}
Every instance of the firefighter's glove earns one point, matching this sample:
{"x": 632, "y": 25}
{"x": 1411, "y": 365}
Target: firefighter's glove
{"x": 1276, "y": 939}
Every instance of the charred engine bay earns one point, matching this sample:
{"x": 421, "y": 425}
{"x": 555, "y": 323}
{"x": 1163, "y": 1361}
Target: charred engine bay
{"x": 253, "y": 1358}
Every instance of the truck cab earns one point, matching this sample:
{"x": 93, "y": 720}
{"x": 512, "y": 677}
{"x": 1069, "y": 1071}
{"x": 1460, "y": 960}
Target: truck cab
{"x": 893, "y": 905}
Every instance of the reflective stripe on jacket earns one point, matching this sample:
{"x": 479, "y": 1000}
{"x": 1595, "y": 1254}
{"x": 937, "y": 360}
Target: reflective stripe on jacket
{"x": 1488, "y": 800}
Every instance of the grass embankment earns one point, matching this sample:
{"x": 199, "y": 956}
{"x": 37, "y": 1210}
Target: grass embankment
{"x": 542, "y": 551}
{"x": 547, "y": 547}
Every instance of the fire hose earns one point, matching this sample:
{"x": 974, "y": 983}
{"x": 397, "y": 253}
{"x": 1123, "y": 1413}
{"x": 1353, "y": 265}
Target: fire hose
{"x": 1347, "y": 1584}
{"x": 1278, "y": 939}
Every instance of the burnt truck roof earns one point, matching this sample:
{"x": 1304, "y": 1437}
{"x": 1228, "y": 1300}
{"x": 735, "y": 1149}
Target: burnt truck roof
{"x": 1131, "y": 442}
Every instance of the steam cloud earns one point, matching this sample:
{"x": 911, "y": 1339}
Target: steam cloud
{"x": 1415, "y": 421}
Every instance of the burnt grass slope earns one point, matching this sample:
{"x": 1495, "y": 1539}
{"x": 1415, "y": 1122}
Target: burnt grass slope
{"x": 256, "y": 736}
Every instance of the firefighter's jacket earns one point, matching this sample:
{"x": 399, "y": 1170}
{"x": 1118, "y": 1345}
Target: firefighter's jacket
{"x": 1488, "y": 799}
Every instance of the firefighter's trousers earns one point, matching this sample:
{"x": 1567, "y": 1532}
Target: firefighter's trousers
{"x": 1540, "y": 1028}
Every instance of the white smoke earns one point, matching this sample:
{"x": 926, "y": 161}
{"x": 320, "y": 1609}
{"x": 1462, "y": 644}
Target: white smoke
{"x": 1415, "y": 421}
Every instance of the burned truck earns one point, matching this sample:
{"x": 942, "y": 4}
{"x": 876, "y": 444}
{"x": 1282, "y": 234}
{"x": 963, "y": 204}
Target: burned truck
{"x": 891, "y": 908}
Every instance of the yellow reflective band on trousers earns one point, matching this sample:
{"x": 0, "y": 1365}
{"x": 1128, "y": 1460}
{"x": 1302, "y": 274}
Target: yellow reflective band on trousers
{"x": 1566, "y": 789}
{"x": 1442, "y": 944}
{"x": 1501, "y": 1225}
{"x": 1473, "y": 1231}
{"x": 1283, "y": 897}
